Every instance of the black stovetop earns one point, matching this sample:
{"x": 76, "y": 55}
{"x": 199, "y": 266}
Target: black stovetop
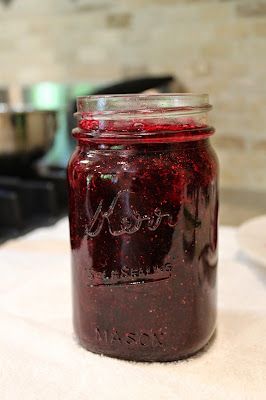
{"x": 31, "y": 200}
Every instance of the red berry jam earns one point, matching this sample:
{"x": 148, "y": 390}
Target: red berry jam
{"x": 143, "y": 224}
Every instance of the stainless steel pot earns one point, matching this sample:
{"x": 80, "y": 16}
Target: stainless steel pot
{"x": 26, "y": 131}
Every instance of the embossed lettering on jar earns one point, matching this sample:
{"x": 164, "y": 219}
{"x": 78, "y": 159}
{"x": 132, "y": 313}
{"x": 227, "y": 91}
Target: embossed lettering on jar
{"x": 143, "y": 204}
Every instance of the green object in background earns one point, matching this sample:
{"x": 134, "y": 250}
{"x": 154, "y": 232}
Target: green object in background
{"x": 53, "y": 96}
{"x": 47, "y": 96}
{"x": 62, "y": 148}
{"x": 56, "y": 97}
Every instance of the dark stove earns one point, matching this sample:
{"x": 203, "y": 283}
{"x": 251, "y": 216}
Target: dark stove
{"x": 31, "y": 200}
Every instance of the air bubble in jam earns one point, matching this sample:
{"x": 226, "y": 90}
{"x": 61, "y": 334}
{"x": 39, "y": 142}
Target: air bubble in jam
{"x": 138, "y": 126}
{"x": 143, "y": 223}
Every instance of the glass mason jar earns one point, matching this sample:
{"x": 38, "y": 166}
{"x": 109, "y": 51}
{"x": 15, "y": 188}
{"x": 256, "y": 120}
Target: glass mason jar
{"x": 143, "y": 226}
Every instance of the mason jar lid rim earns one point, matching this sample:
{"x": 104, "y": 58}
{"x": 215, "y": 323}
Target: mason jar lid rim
{"x": 145, "y": 95}
{"x": 122, "y": 104}
{"x": 160, "y": 100}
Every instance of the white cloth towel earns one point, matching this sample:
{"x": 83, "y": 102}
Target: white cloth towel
{"x": 39, "y": 359}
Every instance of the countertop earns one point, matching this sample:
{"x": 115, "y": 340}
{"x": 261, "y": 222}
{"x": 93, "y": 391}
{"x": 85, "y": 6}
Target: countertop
{"x": 41, "y": 360}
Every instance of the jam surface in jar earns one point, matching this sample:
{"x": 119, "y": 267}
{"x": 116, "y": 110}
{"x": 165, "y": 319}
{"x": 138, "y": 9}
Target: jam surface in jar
{"x": 143, "y": 224}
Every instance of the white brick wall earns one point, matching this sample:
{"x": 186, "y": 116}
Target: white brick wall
{"x": 213, "y": 46}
